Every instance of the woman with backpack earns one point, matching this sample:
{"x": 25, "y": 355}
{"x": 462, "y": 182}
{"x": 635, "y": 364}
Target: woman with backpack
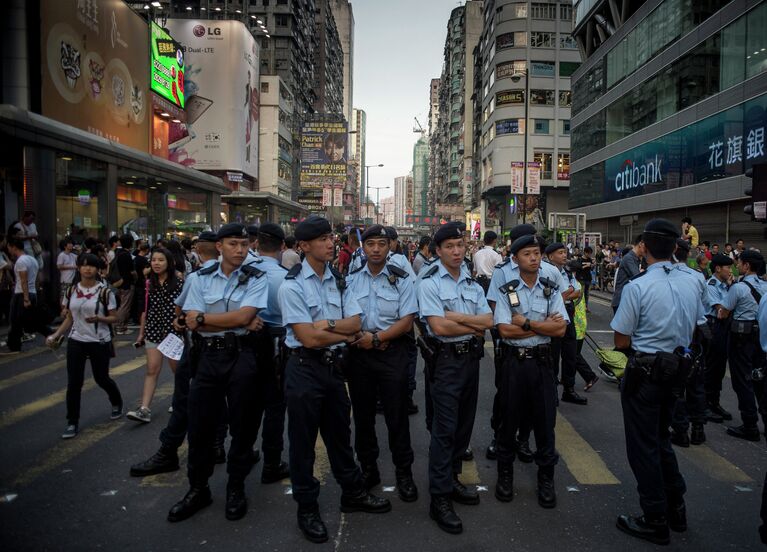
{"x": 90, "y": 308}
{"x": 162, "y": 288}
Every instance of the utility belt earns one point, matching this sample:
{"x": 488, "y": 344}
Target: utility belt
{"x": 665, "y": 369}
{"x": 744, "y": 327}
{"x": 227, "y": 342}
{"x": 474, "y": 345}
{"x": 537, "y": 352}
{"x": 328, "y": 357}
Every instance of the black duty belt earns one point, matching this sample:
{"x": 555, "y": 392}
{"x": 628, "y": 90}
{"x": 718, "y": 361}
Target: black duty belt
{"x": 542, "y": 351}
{"x": 460, "y": 347}
{"x": 326, "y": 356}
{"x": 224, "y": 342}
{"x": 483, "y": 277}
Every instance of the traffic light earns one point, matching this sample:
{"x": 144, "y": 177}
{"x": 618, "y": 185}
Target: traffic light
{"x": 757, "y": 190}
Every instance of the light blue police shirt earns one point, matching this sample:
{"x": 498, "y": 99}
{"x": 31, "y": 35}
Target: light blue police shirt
{"x": 306, "y": 299}
{"x": 739, "y": 299}
{"x": 382, "y": 302}
{"x": 717, "y": 293}
{"x": 659, "y": 309}
{"x": 440, "y": 293}
{"x": 275, "y": 273}
{"x": 216, "y": 293}
{"x": 534, "y": 305}
{"x": 762, "y": 319}
{"x": 509, "y": 270}
{"x": 400, "y": 261}
{"x": 188, "y": 282}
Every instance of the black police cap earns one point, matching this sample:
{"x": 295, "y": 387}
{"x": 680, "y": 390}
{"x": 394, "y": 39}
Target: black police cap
{"x": 252, "y": 230}
{"x": 556, "y": 246}
{"x": 522, "y": 230}
{"x": 751, "y": 256}
{"x": 683, "y": 244}
{"x": 524, "y": 241}
{"x": 312, "y": 228}
{"x": 448, "y": 231}
{"x": 207, "y": 236}
{"x": 272, "y": 230}
{"x": 375, "y": 231}
{"x": 231, "y": 230}
{"x": 720, "y": 260}
{"x": 661, "y": 227}
{"x": 391, "y": 231}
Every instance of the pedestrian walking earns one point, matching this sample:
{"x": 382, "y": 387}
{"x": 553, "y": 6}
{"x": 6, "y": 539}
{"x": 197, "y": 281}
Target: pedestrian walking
{"x": 122, "y": 276}
{"x": 162, "y": 288}
{"x": 66, "y": 263}
{"x": 24, "y": 300}
{"x": 90, "y": 310}
{"x": 26, "y": 231}
{"x": 423, "y": 256}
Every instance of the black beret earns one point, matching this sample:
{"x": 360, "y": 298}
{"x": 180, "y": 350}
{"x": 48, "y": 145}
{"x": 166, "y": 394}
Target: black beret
{"x": 683, "y": 244}
{"x": 448, "y": 231}
{"x": 252, "y": 230}
{"x": 391, "y": 231}
{"x": 231, "y": 230}
{"x": 661, "y": 227}
{"x": 556, "y": 246}
{"x": 375, "y": 231}
{"x": 312, "y": 227}
{"x": 490, "y": 235}
{"x": 522, "y": 230}
{"x": 720, "y": 260}
{"x": 751, "y": 256}
{"x": 271, "y": 230}
{"x": 207, "y": 236}
{"x": 522, "y": 242}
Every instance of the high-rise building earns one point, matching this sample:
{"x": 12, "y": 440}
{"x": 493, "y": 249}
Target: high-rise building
{"x": 525, "y": 58}
{"x": 421, "y": 177}
{"x": 344, "y": 15}
{"x": 403, "y": 199}
{"x": 669, "y": 111}
{"x": 276, "y": 108}
{"x": 357, "y": 151}
{"x": 387, "y": 213}
{"x": 328, "y": 62}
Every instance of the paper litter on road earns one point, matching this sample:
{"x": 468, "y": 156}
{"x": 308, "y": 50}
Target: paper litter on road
{"x": 742, "y": 489}
{"x": 388, "y": 489}
{"x": 288, "y": 490}
{"x": 66, "y": 471}
{"x": 481, "y": 488}
{"x": 573, "y": 489}
{"x": 109, "y": 493}
{"x": 10, "y": 497}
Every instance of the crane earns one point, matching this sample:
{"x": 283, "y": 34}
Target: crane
{"x": 418, "y": 129}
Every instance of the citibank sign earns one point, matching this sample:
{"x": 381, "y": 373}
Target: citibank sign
{"x": 633, "y": 175}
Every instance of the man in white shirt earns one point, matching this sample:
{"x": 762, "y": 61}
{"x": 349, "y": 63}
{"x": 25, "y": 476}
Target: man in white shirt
{"x": 485, "y": 260}
{"x": 290, "y": 257}
{"x": 24, "y": 294}
{"x": 27, "y": 233}
{"x": 67, "y": 265}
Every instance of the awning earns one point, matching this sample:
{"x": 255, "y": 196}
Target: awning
{"x": 265, "y": 197}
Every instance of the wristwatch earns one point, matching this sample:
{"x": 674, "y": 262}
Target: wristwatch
{"x": 376, "y": 340}
{"x": 526, "y": 325}
{"x": 332, "y": 324}
{"x": 200, "y": 319}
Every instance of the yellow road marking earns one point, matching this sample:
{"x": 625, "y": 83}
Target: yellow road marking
{"x": 469, "y": 474}
{"x": 18, "y": 414}
{"x": 37, "y": 372}
{"x": 583, "y": 461}
{"x": 69, "y": 449}
{"x": 170, "y": 479}
{"x": 714, "y": 465}
{"x": 321, "y": 461}
{"x": 5, "y": 359}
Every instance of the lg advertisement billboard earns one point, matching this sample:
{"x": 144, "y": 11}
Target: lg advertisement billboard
{"x": 95, "y": 73}
{"x": 221, "y": 80}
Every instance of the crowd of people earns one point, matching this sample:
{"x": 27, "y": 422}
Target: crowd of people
{"x": 274, "y": 327}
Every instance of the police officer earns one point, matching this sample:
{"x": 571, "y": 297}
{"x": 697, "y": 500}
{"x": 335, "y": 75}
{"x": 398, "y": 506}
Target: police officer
{"x": 744, "y": 353}
{"x": 506, "y": 272}
{"x": 378, "y": 364}
{"x": 566, "y": 347}
{"x": 457, "y": 315}
{"x": 321, "y": 317}
{"x": 716, "y": 353}
{"x": 172, "y": 436}
{"x": 655, "y": 321}
{"x": 268, "y": 342}
{"x": 223, "y": 301}
{"x": 252, "y": 242}
{"x": 762, "y": 319}
{"x": 528, "y": 313}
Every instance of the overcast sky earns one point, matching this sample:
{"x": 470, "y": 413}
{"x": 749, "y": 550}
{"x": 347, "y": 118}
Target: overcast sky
{"x": 398, "y": 49}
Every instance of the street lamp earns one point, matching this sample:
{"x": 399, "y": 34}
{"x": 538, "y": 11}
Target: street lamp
{"x": 515, "y": 78}
{"x": 378, "y": 193}
{"x": 367, "y": 180}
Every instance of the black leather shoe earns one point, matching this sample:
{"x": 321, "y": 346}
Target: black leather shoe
{"x": 468, "y": 455}
{"x": 311, "y": 525}
{"x": 220, "y": 455}
{"x": 163, "y": 461}
{"x": 504, "y": 487}
{"x": 655, "y": 531}
{"x": 462, "y": 495}
{"x": 547, "y": 495}
{"x": 712, "y": 416}
{"x": 717, "y": 408}
{"x": 365, "y": 502}
{"x": 236, "y": 504}
{"x": 697, "y": 435}
{"x": 677, "y": 517}
{"x": 370, "y": 476}
{"x": 195, "y": 500}
{"x": 412, "y": 408}
{"x": 441, "y": 511}
{"x": 680, "y": 438}
{"x": 570, "y": 396}
{"x": 272, "y": 473}
{"x": 749, "y": 433}
{"x": 491, "y": 453}
{"x": 523, "y": 451}
{"x": 406, "y": 488}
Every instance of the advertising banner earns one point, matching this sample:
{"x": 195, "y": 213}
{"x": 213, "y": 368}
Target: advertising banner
{"x": 94, "y": 70}
{"x": 167, "y": 66}
{"x": 542, "y": 68}
{"x": 517, "y": 177}
{"x": 533, "y": 178}
{"x": 510, "y": 97}
{"x": 507, "y": 126}
{"x": 323, "y": 153}
{"x": 222, "y": 102}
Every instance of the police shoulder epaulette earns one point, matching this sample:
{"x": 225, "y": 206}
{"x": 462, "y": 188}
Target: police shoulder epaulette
{"x": 336, "y": 274}
{"x": 362, "y": 265}
{"x": 502, "y": 264}
{"x": 635, "y": 276}
{"x": 548, "y": 283}
{"x": 293, "y": 272}
{"x": 431, "y": 271}
{"x": 510, "y": 285}
{"x": 712, "y": 281}
{"x": 397, "y": 271}
{"x": 250, "y": 270}
{"x": 255, "y": 260}
{"x": 282, "y": 266}
{"x": 208, "y": 269}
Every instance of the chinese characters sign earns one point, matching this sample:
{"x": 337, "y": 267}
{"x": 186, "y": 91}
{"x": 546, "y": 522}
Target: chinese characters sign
{"x": 167, "y": 66}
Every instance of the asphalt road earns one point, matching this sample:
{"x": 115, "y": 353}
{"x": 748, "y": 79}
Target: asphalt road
{"x": 77, "y": 494}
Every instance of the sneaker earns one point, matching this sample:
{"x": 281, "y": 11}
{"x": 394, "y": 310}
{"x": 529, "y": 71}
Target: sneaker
{"x": 117, "y": 412}
{"x": 141, "y": 414}
{"x": 70, "y": 432}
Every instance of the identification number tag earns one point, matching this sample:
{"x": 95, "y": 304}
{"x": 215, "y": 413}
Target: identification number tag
{"x": 513, "y": 298}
